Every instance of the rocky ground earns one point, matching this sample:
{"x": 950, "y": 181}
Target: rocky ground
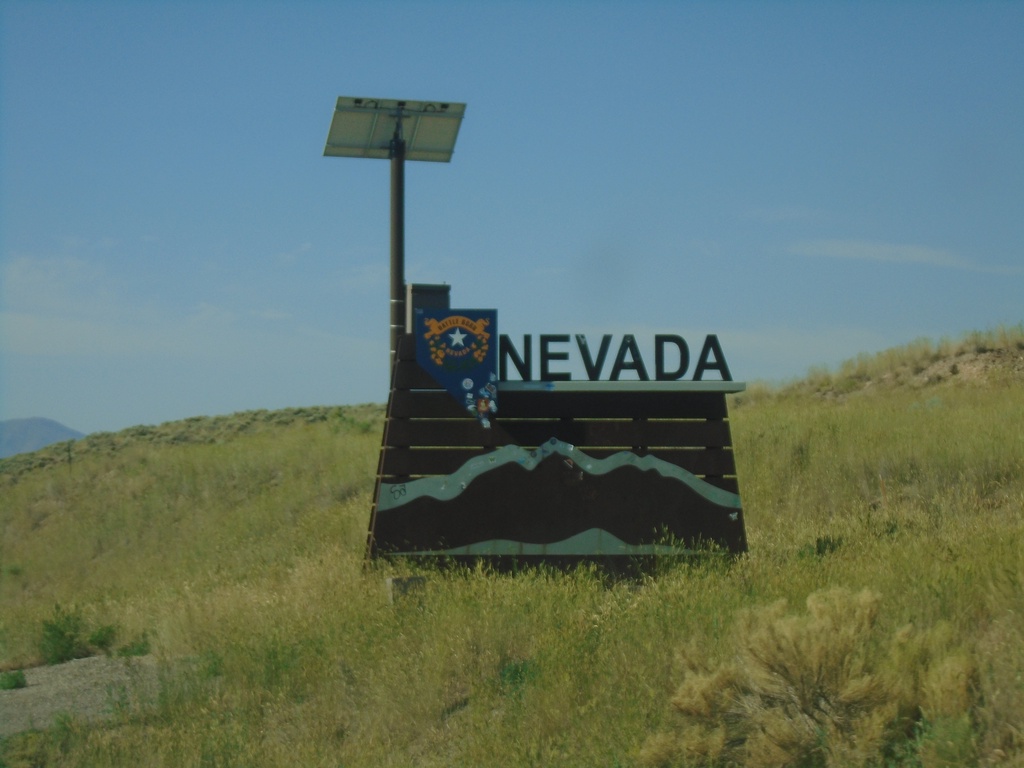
{"x": 85, "y": 689}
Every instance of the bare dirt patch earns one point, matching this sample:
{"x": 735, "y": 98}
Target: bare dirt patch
{"x": 88, "y": 689}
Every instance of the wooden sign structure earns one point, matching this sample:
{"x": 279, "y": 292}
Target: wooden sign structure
{"x": 569, "y": 471}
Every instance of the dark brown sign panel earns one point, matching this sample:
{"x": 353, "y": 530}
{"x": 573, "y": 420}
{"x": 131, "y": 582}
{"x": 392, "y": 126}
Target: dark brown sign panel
{"x": 568, "y": 471}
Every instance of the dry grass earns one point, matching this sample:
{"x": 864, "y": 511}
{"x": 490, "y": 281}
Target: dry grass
{"x": 824, "y": 688}
{"x": 876, "y": 620}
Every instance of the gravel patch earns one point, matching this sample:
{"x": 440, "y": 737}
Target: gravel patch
{"x": 85, "y": 689}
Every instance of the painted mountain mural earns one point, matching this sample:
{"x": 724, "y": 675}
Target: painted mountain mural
{"x": 557, "y": 500}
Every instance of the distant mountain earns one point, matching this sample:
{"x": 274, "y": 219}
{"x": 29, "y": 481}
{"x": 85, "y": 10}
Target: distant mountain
{"x": 27, "y": 435}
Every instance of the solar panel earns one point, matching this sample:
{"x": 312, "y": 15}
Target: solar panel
{"x": 363, "y": 127}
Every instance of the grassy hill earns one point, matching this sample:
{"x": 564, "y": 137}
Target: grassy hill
{"x": 878, "y": 618}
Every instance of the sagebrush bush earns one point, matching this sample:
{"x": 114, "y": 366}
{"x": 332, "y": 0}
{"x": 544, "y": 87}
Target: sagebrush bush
{"x": 823, "y": 688}
{"x": 61, "y": 637}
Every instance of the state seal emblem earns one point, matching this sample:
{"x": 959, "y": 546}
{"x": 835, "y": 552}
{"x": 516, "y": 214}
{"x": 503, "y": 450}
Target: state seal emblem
{"x": 457, "y": 343}
{"x": 455, "y": 347}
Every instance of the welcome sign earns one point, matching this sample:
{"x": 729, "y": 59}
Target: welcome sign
{"x": 554, "y": 448}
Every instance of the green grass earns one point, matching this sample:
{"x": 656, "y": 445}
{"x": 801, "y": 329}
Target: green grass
{"x": 885, "y": 519}
{"x": 12, "y": 680}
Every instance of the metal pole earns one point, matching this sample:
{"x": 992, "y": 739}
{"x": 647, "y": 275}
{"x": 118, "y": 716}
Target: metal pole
{"x": 397, "y": 241}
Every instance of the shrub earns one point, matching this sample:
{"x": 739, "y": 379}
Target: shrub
{"x": 11, "y": 680}
{"x": 808, "y": 690}
{"x": 102, "y": 639}
{"x": 61, "y": 637}
{"x": 137, "y": 647}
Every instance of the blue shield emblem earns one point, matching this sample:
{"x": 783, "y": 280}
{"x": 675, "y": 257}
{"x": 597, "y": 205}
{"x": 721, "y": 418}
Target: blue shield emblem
{"x": 458, "y": 348}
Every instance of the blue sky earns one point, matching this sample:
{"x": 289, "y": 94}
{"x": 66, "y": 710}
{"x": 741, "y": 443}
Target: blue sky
{"x": 809, "y": 181}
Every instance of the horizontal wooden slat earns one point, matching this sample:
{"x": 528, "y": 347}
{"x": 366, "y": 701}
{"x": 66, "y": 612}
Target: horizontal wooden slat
{"x": 609, "y": 405}
{"x": 427, "y": 461}
{"x": 403, "y": 462}
{"x": 726, "y": 483}
{"x": 531, "y": 432}
{"x": 436, "y": 404}
{"x": 412, "y": 376}
{"x": 533, "y": 405}
{"x": 406, "y": 347}
{"x": 730, "y": 484}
